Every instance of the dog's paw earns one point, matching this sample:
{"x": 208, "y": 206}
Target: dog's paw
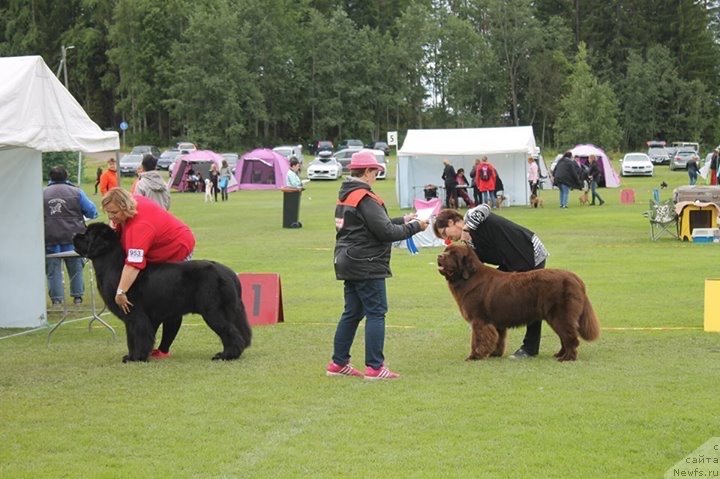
{"x": 131, "y": 359}
{"x": 473, "y": 357}
{"x": 223, "y": 356}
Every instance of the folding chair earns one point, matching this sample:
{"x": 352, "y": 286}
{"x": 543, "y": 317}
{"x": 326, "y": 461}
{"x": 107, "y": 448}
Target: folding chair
{"x": 663, "y": 219}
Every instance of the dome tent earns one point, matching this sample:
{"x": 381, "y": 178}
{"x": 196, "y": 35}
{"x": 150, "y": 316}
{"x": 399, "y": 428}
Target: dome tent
{"x": 610, "y": 177}
{"x": 261, "y": 169}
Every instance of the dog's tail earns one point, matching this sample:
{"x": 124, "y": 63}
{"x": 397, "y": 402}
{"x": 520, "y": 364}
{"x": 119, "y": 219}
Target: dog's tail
{"x": 589, "y": 325}
{"x": 240, "y": 314}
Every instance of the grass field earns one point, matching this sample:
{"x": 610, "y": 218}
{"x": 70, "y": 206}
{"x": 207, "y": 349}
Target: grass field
{"x": 637, "y": 401}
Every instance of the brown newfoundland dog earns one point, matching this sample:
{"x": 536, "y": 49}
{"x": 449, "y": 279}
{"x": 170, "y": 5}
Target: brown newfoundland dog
{"x": 492, "y": 301}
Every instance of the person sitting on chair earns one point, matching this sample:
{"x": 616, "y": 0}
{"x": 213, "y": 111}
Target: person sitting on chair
{"x": 462, "y": 188}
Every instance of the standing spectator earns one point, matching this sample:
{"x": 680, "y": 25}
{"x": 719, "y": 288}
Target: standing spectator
{"x": 499, "y": 241}
{"x": 714, "y": 160}
{"x": 293, "y": 178}
{"x": 151, "y": 185}
{"x": 533, "y": 176}
{"x": 594, "y": 175}
{"x": 64, "y": 207}
{"x": 485, "y": 179}
{"x": 214, "y": 176}
{"x": 462, "y": 187}
{"x": 499, "y": 192}
{"x": 449, "y": 177}
{"x": 566, "y": 178}
{"x": 97, "y": 179}
{"x": 363, "y": 241}
{"x": 148, "y": 234}
{"x": 109, "y": 179}
{"x": 224, "y": 181}
{"x": 476, "y": 191}
{"x": 692, "y": 169}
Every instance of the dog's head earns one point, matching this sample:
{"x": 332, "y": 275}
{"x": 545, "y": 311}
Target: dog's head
{"x": 98, "y": 240}
{"x": 457, "y": 262}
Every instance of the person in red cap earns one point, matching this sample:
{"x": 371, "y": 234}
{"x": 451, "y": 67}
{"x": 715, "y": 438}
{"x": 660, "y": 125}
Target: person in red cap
{"x": 365, "y": 234}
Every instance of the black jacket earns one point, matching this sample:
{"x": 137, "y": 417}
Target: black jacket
{"x": 566, "y": 173}
{"x": 449, "y": 176}
{"x": 497, "y": 240}
{"x": 365, "y": 233}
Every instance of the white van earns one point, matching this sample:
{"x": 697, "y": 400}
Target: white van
{"x": 290, "y": 151}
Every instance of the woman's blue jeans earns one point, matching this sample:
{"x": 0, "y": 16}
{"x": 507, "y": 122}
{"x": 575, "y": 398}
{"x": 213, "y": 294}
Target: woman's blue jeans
{"x": 564, "y": 194}
{"x": 366, "y": 298}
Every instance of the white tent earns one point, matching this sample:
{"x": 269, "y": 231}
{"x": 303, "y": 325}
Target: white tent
{"x": 37, "y": 114}
{"x": 422, "y": 152}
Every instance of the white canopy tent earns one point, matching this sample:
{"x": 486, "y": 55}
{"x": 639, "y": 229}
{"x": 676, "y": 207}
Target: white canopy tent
{"x": 422, "y": 152}
{"x": 37, "y": 114}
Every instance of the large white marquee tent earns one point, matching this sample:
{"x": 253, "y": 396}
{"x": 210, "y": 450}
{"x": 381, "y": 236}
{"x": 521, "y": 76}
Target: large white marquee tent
{"x": 422, "y": 152}
{"x": 37, "y": 114}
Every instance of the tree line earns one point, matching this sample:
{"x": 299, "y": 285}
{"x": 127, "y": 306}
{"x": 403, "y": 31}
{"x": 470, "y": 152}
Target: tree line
{"x": 241, "y": 73}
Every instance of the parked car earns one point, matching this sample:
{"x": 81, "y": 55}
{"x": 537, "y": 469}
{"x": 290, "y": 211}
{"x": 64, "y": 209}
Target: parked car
{"x": 658, "y": 153}
{"x": 290, "y": 152}
{"x": 232, "y": 159}
{"x": 351, "y": 143}
{"x": 167, "y": 158}
{"x": 186, "y": 147}
{"x": 690, "y": 144}
{"x": 321, "y": 145}
{"x": 634, "y": 164}
{"x": 379, "y": 145}
{"x": 130, "y": 163}
{"x": 324, "y": 167}
{"x": 681, "y": 157}
{"x": 344, "y": 156}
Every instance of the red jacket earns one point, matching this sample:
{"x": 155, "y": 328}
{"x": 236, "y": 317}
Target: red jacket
{"x": 489, "y": 184}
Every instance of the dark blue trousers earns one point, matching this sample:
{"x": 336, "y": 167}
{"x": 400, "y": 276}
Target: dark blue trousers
{"x": 366, "y": 298}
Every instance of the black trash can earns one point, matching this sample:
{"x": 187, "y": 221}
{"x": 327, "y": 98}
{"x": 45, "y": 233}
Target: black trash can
{"x": 291, "y": 208}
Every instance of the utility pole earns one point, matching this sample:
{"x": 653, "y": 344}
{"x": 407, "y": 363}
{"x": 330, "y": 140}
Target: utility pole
{"x": 63, "y": 63}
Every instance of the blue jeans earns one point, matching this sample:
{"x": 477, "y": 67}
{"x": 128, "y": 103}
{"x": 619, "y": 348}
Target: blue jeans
{"x": 564, "y": 194}
{"x": 362, "y": 298}
{"x": 693, "y": 177}
{"x": 593, "y": 188}
{"x": 53, "y": 269}
{"x": 488, "y": 197}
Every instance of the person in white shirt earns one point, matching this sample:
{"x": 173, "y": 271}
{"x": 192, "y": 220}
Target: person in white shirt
{"x": 293, "y": 178}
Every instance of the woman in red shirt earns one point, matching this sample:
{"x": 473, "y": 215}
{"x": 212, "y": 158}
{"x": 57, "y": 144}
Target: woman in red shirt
{"x": 148, "y": 234}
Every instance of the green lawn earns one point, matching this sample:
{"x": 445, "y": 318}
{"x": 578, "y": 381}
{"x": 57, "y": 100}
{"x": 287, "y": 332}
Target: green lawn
{"x": 636, "y": 402}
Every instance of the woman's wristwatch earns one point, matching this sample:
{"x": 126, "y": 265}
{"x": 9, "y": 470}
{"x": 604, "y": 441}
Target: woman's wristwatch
{"x": 119, "y": 292}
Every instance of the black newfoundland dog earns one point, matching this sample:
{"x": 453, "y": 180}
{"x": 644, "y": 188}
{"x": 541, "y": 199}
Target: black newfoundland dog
{"x": 164, "y": 292}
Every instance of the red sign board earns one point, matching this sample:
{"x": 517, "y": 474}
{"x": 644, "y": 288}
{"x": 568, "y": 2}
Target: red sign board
{"x": 262, "y": 297}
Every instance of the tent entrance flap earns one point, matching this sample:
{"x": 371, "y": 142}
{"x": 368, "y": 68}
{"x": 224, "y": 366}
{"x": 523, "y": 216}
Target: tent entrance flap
{"x": 258, "y": 172}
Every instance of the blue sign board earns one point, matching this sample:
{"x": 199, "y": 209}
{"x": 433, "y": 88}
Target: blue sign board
{"x": 123, "y": 126}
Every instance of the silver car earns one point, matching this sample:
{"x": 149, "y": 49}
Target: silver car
{"x": 682, "y": 155}
{"x": 344, "y": 156}
{"x": 130, "y": 163}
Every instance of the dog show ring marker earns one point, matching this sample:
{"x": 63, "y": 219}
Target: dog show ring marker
{"x": 262, "y": 297}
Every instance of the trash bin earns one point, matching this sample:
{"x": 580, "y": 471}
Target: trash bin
{"x": 291, "y": 208}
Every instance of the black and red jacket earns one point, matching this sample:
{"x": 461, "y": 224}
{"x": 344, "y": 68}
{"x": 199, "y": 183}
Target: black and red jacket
{"x": 365, "y": 233}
